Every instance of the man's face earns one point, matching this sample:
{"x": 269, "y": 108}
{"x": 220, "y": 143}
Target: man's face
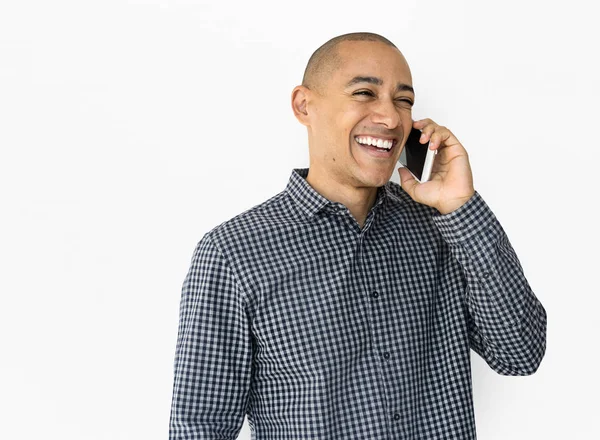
{"x": 368, "y": 95}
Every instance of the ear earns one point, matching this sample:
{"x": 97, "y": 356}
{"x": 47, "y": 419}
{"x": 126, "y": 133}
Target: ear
{"x": 301, "y": 95}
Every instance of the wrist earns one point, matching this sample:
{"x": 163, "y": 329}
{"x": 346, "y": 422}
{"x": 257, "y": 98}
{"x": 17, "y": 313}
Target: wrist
{"x": 454, "y": 204}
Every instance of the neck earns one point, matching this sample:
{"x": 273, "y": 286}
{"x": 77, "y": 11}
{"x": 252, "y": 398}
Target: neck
{"x": 358, "y": 200}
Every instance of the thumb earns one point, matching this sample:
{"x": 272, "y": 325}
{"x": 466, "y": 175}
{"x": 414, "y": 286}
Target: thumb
{"x": 407, "y": 181}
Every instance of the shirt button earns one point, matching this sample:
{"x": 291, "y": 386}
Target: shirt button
{"x": 486, "y": 274}
{"x": 396, "y": 416}
{"x": 375, "y": 294}
{"x": 386, "y": 355}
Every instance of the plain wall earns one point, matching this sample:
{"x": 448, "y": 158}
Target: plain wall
{"x": 128, "y": 129}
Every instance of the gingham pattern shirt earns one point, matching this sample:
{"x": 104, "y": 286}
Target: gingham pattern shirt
{"x": 316, "y": 328}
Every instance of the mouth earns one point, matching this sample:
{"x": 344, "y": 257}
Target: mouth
{"x": 377, "y": 146}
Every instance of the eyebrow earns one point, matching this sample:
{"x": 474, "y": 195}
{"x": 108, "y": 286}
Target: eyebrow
{"x": 400, "y": 87}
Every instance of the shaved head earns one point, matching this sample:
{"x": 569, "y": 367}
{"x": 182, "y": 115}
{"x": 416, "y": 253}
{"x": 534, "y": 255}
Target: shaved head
{"x": 326, "y": 58}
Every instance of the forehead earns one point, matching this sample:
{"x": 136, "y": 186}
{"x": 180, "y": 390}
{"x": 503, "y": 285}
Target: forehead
{"x": 370, "y": 58}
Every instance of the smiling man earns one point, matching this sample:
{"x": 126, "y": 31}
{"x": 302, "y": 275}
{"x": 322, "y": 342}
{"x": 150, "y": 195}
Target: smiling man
{"x": 354, "y": 93}
{"x": 346, "y": 306}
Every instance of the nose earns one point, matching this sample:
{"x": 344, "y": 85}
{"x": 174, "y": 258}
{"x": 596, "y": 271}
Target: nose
{"x": 386, "y": 113}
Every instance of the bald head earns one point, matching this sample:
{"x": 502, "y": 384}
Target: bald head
{"x": 326, "y": 58}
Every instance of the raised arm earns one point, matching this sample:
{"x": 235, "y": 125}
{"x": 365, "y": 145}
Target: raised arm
{"x": 507, "y": 323}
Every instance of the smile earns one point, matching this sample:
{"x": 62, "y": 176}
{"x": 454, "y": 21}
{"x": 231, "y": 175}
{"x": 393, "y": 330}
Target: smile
{"x": 377, "y": 147}
{"x": 380, "y": 143}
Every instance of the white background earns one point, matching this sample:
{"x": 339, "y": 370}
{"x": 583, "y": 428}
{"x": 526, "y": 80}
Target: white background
{"x": 128, "y": 129}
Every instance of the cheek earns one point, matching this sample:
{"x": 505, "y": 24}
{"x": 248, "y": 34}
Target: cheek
{"x": 330, "y": 120}
{"x": 351, "y": 119}
{"x": 405, "y": 119}
{"x": 336, "y": 123}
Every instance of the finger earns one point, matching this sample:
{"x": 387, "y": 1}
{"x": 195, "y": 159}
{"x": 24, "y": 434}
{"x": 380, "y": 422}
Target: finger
{"x": 427, "y": 131}
{"x": 407, "y": 181}
{"x": 439, "y": 137}
{"x": 445, "y": 138}
{"x": 419, "y": 124}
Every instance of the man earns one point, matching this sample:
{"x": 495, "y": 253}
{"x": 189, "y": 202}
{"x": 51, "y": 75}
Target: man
{"x": 345, "y": 306}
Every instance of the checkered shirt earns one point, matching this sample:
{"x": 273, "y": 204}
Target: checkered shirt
{"x": 316, "y": 328}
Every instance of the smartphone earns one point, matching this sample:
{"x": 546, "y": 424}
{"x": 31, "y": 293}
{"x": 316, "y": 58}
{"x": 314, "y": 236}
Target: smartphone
{"x": 417, "y": 157}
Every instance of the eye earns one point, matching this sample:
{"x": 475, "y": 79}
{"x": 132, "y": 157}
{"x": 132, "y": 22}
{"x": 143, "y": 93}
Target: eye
{"x": 405, "y": 101}
{"x": 364, "y": 93}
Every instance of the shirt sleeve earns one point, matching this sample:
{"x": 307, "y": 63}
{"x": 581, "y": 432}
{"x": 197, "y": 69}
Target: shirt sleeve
{"x": 213, "y": 355}
{"x": 506, "y": 321}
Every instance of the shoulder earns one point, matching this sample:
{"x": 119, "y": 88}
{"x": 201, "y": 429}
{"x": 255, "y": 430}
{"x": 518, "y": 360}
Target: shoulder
{"x": 255, "y": 223}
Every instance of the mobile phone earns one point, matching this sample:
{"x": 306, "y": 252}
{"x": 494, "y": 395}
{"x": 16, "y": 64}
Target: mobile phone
{"x": 417, "y": 157}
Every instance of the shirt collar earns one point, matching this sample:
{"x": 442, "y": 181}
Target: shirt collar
{"x": 311, "y": 201}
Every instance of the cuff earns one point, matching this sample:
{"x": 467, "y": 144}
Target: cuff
{"x": 470, "y": 219}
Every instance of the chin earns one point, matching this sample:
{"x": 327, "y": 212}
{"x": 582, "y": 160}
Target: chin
{"x": 375, "y": 178}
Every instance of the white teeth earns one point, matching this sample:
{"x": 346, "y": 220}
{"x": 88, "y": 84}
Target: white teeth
{"x": 380, "y": 143}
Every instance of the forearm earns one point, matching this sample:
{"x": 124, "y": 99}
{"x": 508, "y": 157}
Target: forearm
{"x": 507, "y": 323}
